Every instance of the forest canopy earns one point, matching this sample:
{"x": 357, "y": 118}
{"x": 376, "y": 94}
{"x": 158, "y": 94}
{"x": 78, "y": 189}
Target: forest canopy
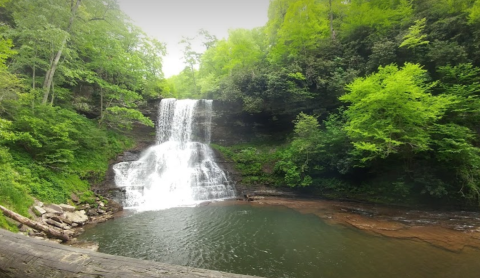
{"x": 387, "y": 90}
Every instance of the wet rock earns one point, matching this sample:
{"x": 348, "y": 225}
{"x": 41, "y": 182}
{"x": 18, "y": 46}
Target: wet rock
{"x": 93, "y": 246}
{"x": 101, "y": 218}
{"x": 114, "y": 206}
{"x": 67, "y": 207}
{"x": 52, "y": 208}
{"x": 78, "y": 217}
{"x": 130, "y": 156}
{"x": 39, "y": 211}
{"x": 101, "y": 211}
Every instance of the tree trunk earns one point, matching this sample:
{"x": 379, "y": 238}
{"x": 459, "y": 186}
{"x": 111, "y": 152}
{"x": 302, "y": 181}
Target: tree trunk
{"x": 53, "y": 94}
{"x": 35, "y": 225}
{"x": 34, "y": 72}
{"x": 101, "y": 108}
{"x": 53, "y": 66}
{"x": 194, "y": 80}
{"x": 332, "y": 31}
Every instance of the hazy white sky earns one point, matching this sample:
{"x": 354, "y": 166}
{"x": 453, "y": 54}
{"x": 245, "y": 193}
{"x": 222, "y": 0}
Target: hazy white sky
{"x": 169, "y": 20}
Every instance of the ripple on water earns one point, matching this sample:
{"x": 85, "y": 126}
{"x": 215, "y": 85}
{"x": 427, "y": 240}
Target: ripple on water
{"x": 273, "y": 242}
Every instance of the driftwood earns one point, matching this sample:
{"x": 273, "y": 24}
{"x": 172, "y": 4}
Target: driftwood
{"x": 52, "y": 232}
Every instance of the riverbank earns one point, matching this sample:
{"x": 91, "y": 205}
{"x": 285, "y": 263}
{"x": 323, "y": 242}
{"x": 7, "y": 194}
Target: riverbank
{"x": 62, "y": 223}
{"x": 452, "y": 231}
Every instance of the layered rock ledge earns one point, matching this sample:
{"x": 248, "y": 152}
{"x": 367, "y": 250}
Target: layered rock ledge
{"x": 24, "y": 257}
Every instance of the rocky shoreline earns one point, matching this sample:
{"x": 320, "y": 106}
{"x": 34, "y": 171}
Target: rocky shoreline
{"x": 62, "y": 223}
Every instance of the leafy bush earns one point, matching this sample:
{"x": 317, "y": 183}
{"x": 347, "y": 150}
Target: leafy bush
{"x": 254, "y": 162}
{"x": 50, "y": 153}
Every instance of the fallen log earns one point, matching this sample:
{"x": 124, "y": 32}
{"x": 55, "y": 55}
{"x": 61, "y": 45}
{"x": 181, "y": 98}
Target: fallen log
{"x": 51, "y": 232}
{"x": 24, "y": 257}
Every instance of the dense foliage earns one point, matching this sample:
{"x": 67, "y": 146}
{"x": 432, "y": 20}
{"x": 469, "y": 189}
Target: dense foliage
{"x": 72, "y": 75}
{"x": 383, "y": 94}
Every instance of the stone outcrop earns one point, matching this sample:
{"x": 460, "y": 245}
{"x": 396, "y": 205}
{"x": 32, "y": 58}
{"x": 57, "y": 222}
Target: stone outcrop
{"x": 231, "y": 125}
{"x": 23, "y": 257}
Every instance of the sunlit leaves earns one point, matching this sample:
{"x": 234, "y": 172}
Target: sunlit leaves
{"x": 377, "y": 14}
{"x": 415, "y": 37}
{"x": 304, "y": 24}
{"x": 390, "y": 111}
{"x": 474, "y": 16}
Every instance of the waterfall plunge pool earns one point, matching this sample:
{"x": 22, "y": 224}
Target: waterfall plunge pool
{"x": 273, "y": 241}
{"x": 267, "y": 241}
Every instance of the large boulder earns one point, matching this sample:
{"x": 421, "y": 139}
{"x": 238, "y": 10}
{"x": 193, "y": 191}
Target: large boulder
{"x": 78, "y": 217}
{"x": 52, "y": 208}
{"x": 67, "y": 207}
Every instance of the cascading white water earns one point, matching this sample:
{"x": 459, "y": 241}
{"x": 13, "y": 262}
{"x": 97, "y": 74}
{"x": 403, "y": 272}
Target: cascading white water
{"x": 178, "y": 171}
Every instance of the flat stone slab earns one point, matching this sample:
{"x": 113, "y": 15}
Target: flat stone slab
{"x": 67, "y": 207}
{"x": 39, "y": 211}
{"x": 52, "y": 208}
{"x": 77, "y": 217}
{"x": 24, "y": 257}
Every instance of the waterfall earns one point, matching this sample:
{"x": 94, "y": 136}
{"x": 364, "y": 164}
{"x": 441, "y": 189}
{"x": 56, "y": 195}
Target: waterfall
{"x": 179, "y": 170}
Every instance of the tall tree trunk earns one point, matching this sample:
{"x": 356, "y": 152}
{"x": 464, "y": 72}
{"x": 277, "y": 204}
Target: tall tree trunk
{"x": 101, "y": 108}
{"x": 194, "y": 80}
{"x": 54, "y": 64}
{"x": 332, "y": 31}
{"x": 34, "y": 68}
{"x": 53, "y": 94}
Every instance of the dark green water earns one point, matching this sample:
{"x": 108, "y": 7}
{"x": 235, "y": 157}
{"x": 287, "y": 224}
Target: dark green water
{"x": 273, "y": 242}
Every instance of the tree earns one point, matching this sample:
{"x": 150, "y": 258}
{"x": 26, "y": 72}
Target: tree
{"x": 191, "y": 59}
{"x": 474, "y": 15}
{"x": 415, "y": 37}
{"x": 379, "y": 15}
{"x": 9, "y": 83}
{"x": 48, "y": 82}
{"x": 305, "y": 23}
{"x": 390, "y": 112}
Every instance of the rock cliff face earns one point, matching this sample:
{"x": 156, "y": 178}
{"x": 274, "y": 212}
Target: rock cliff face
{"x": 231, "y": 125}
